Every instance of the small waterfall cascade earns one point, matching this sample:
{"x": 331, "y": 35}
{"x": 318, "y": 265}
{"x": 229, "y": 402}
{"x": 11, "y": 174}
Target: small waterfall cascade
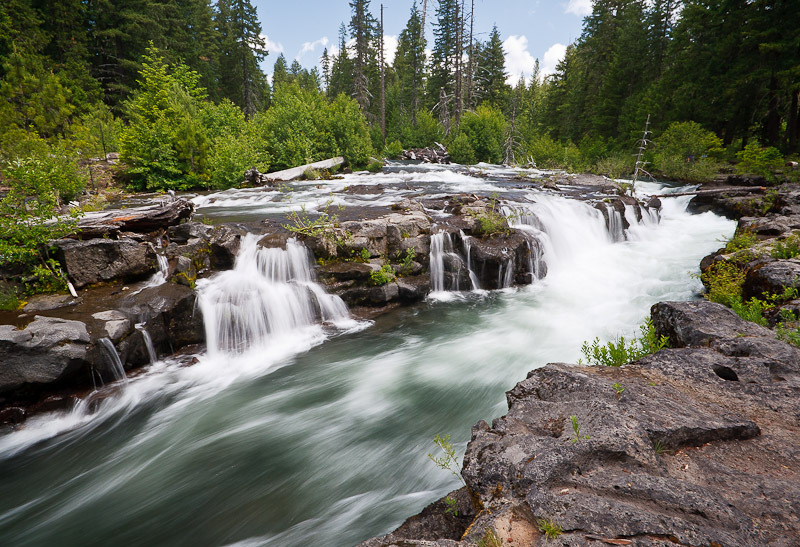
{"x": 114, "y": 362}
{"x": 476, "y": 285}
{"x": 444, "y": 260}
{"x": 148, "y": 343}
{"x": 616, "y": 224}
{"x": 269, "y": 293}
{"x": 160, "y": 277}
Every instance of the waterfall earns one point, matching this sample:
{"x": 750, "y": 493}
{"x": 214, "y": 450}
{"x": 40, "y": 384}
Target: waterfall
{"x": 506, "y": 277}
{"x": 476, "y": 285}
{"x": 148, "y": 342}
{"x": 269, "y": 293}
{"x": 114, "y": 362}
{"x": 441, "y": 253}
{"x": 616, "y": 227}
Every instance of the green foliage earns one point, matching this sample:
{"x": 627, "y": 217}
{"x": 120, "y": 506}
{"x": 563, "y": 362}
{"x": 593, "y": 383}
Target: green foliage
{"x": 759, "y": 161}
{"x": 548, "y": 153}
{"x": 448, "y": 460}
{"x": 393, "y": 150}
{"x": 741, "y": 240}
{"x": 751, "y": 310}
{"x": 365, "y": 254}
{"x": 550, "y": 529}
{"x": 30, "y": 216}
{"x": 97, "y": 132}
{"x": 407, "y": 264}
{"x": 485, "y": 131}
{"x": 382, "y": 276}
{"x": 491, "y": 221}
{"x": 659, "y": 448}
{"x": 9, "y": 299}
{"x": 620, "y": 351}
{"x": 165, "y": 144}
{"x": 786, "y": 248}
{"x": 461, "y": 150}
{"x": 375, "y": 167}
{"x": 576, "y": 430}
{"x": 452, "y": 506}
{"x": 490, "y": 539}
{"x": 618, "y": 389}
{"x": 686, "y": 151}
{"x": 724, "y": 282}
{"x": 424, "y": 131}
{"x": 325, "y": 225}
{"x": 614, "y": 166}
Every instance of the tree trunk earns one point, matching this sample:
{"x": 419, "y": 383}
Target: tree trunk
{"x": 793, "y": 128}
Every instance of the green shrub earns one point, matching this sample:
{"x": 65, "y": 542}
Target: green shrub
{"x": 375, "y": 166}
{"x": 383, "y": 275}
{"x": 752, "y": 310}
{"x": 426, "y": 132}
{"x": 621, "y": 351}
{"x": 787, "y": 248}
{"x": 741, "y": 240}
{"x": 9, "y": 299}
{"x": 548, "y": 153}
{"x": 723, "y": 281}
{"x": 759, "y": 161}
{"x": 485, "y": 130}
{"x": 686, "y": 151}
{"x": 393, "y": 150}
{"x": 614, "y": 166}
{"x": 550, "y": 529}
{"x": 461, "y": 151}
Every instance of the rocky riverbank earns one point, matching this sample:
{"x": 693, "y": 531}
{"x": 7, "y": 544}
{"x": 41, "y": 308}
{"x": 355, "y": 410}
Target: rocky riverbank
{"x": 694, "y": 445}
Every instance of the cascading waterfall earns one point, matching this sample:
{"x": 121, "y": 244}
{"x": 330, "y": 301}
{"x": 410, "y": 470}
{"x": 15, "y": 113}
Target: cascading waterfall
{"x": 441, "y": 253}
{"x": 114, "y": 362}
{"x": 268, "y": 293}
{"x": 616, "y": 227}
{"x": 148, "y": 343}
{"x": 476, "y": 285}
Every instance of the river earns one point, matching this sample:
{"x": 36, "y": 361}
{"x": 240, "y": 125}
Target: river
{"x": 319, "y": 435}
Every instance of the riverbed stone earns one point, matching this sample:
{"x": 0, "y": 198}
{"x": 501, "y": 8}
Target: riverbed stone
{"x": 103, "y": 260}
{"x": 115, "y": 324}
{"x": 46, "y": 351}
{"x": 771, "y": 277}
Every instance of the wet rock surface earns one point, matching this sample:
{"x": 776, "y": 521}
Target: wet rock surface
{"x": 103, "y": 260}
{"x": 699, "y": 449}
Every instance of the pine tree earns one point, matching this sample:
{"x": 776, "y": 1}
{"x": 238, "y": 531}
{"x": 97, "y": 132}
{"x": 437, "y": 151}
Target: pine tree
{"x": 409, "y": 63}
{"x": 365, "y": 67}
{"x": 280, "y": 73}
{"x": 447, "y": 33}
{"x": 491, "y": 85}
{"x": 342, "y": 68}
{"x": 242, "y": 48}
{"x": 325, "y": 63}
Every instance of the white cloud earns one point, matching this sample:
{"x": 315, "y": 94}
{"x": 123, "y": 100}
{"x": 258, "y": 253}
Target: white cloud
{"x": 274, "y": 48}
{"x": 581, "y": 8}
{"x": 552, "y": 57}
{"x": 389, "y": 48}
{"x": 310, "y": 47}
{"x": 519, "y": 61}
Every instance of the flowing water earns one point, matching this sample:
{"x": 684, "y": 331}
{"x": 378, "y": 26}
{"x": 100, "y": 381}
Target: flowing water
{"x": 302, "y": 427}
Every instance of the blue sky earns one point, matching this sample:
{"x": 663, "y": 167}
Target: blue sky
{"x": 530, "y": 29}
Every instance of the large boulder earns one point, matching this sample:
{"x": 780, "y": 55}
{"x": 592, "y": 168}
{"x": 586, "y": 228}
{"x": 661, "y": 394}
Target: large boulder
{"x": 694, "y": 445}
{"x": 169, "y": 314}
{"x": 102, "y": 260}
{"x": 46, "y": 351}
{"x": 771, "y": 277}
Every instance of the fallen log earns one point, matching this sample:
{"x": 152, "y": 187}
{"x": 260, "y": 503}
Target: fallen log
{"x": 140, "y": 220}
{"x": 734, "y": 190}
{"x": 296, "y": 172}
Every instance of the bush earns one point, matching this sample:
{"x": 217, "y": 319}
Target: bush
{"x": 426, "y": 132}
{"x": 461, "y": 150}
{"x": 29, "y": 218}
{"x": 551, "y": 154}
{"x": 759, "y": 161}
{"x": 620, "y": 351}
{"x": 724, "y": 282}
{"x": 485, "y": 130}
{"x": 382, "y": 276}
{"x": 614, "y": 166}
{"x": 686, "y": 151}
{"x": 787, "y": 248}
{"x": 393, "y": 150}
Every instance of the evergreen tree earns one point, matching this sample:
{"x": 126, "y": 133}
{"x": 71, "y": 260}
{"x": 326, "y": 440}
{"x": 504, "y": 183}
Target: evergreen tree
{"x": 342, "y": 68}
{"x": 491, "y": 83}
{"x": 363, "y": 31}
{"x": 409, "y": 63}
{"x": 242, "y": 49}
{"x": 446, "y": 48}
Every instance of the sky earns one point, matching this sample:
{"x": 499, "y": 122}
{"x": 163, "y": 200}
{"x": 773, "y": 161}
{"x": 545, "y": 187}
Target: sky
{"x": 530, "y": 29}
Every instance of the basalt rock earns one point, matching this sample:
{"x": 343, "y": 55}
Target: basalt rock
{"x": 46, "y": 351}
{"x": 695, "y": 445}
{"x": 103, "y": 260}
{"x": 771, "y": 277}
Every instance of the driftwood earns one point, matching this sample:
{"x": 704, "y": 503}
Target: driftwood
{"x": 428, "y": 155}
{"x": 729, "y": 190}
{"x": 141, "y": 220}
{"x": 255, "y": 178}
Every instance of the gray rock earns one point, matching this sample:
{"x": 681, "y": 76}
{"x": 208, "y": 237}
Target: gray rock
{"x": 102, "y": 260}
{"x": 115, "y": 326}
{"x": 46, "y": 351}
{"x": 771, "y": 278}
{"x": 699, "y": 323}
